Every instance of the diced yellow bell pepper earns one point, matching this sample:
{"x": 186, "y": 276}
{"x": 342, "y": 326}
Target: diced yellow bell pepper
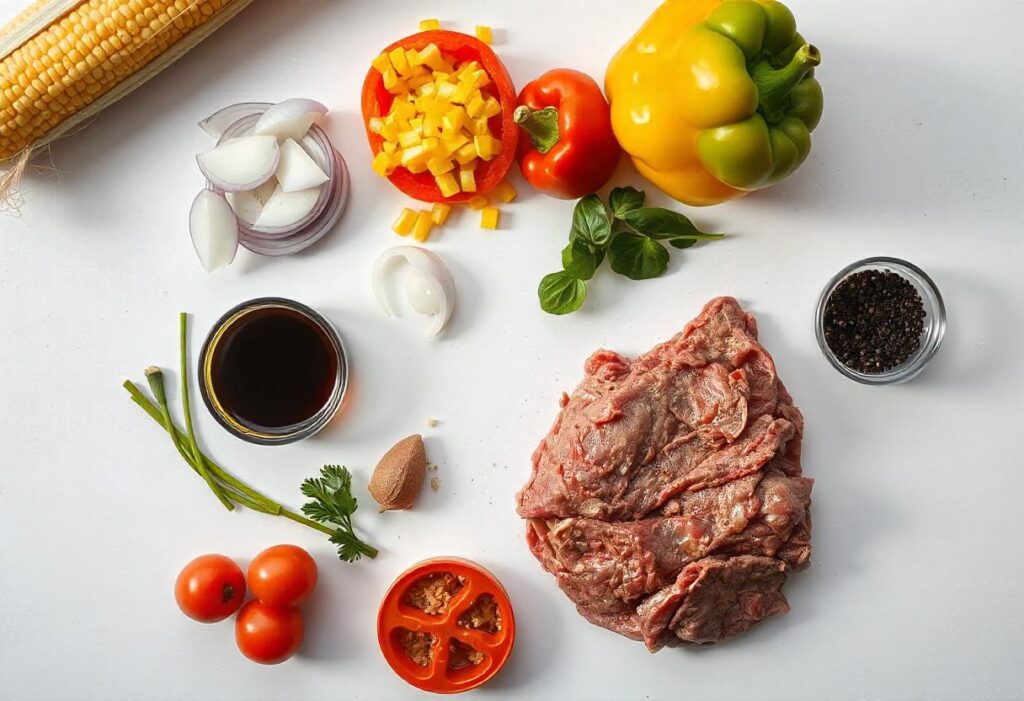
{"x": 478, "y": 202}
{"x": 492, "y": 107}
{"x": 485, "y": 146}
{"x": 451, "y": 144}
{"x": 424, "y": 223}
{"x": 427, "y": 25}
{"x": 439, "y": 212}
{"x": 431, "y": 56}
{"x": 454, "y": 119}
{"x": 381, "y": 63}
{"x": 440, "y": 166}
{"x": 475, "y": 106}
{"x": 403, "y": 225}
{"x": 489, "y": 217}
{"x": 484, "y": 33}
{"x": 413, "y": 155}
{"x": 466, "y": 153}
{"x": 504, "y": 192}
{"x": 389, "y": 147}
{"x": 419, "y": 80}
{"x": 408, "y": 139}
{"x": 398, "y": 60}
{"x": 391, "y": 81}
{"x": 447, "y": 184}
{"x": 467, "y": 180}
{"x": 381, "y": 164}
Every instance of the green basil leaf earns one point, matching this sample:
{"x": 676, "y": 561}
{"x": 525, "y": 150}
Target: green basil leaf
{"x": 663, "y": 224}
{"x": 625, "y": 199}
{"x": 682, "y": 242}
{"x": 590, "y": 222}
{"x": 561, "y": 293}
{"x": 637, "y": 257}
{"x": 580, "y": 261}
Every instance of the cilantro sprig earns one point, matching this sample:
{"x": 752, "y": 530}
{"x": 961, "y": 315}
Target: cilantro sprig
{"x": 334, "y": 504}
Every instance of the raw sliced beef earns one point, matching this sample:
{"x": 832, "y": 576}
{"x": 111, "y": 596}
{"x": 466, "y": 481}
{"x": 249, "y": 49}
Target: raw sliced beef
{"x": 667, "y": 499}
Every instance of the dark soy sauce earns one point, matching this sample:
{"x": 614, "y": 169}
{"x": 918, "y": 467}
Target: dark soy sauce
{"x": 273, "y": 367}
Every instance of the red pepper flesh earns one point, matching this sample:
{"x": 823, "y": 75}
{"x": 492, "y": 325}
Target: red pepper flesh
{"x": 376, "y": 102}
{"x": 584, "y": 153}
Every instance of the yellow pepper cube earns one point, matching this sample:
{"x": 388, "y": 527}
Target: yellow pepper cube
{"x": 469, "y": 67}
{"x": 389, "y": 131}
{"x": 417, "y": 167}
{"x": 440, "y": 166}
{"x": 505, "y": 192}
{"x": 487, "y": 147}
{"x": 416, "y": 124}
{"x": 453, "y": 120}
{"x": 407, "y": 139}
{"x": 447, "y": 185}
{"x": 419, "y": 81}
{"x": 478, "y": 202}
{"x": 432, "y": 58}
{"x": 479, "y": 78}
{"x": 403, "y": 225}
{"x": 398, "y": 60}
{"x": 414, "y": 155}
{"x": 391, "y": 81}
{"x": 376, "y": 124}
{"x": 403, "y": 109}
{"x": 467, "y": 180}
{"x": 492, "y": 107}
{"x": 439, "y": 212}
{"x": 381, "y": 164}
{"x": 445, "y": 91}
{"x": 381, "y": 63}
{"x": 489, "y": 217}
{"x": 481, "y": 127}
{"x": 430, "y": 143}
{"x": 475, "y": 106}
{"x": 466, "y": 154}
{"x": 424, "y": 223}
{"x": 389, "y": 147}
{"x": 431, "y": 125}
{"x": 451, "y": 144}
{"x": 427, "y": 25}
{"x": 461, "y": 93}
{"x": 484, "y": 34}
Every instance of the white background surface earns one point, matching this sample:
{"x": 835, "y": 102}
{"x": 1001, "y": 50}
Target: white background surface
{"x": 915, "y": 586}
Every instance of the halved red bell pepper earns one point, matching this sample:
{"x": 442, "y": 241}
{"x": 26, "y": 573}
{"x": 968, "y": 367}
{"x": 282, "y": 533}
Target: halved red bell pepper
{"x": 462, "y": 47}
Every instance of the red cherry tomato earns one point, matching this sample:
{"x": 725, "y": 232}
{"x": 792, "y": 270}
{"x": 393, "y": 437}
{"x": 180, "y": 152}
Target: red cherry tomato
{"x": 267, "y": 634}
{"x": 210, "y": 588}
{"x": 283, "y": 575}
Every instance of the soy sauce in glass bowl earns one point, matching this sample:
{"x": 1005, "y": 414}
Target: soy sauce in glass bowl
{"x": 273, "y": 371}
{"x": 880, "y": 321}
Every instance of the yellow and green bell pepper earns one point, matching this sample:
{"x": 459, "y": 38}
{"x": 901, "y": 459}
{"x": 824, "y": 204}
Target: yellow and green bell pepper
{"x": 714, "y": 99}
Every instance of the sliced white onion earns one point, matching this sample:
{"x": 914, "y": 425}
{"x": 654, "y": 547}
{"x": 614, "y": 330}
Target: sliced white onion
{"x": 287, "y": 208}
{"x": 214, "y": 230}
{"x": 248, "y": 204}
{"x": 296, "y": 170}
{"x": 242, "y": 163}
{"x": 218, "y": 122}
{"x": 290, "y": 119}
{"x": 429, "y": 287}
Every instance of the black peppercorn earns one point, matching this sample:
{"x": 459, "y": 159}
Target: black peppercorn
{"x": 873, "y": 321}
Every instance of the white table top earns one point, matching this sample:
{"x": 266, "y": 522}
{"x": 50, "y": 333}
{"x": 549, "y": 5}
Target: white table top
{"x": 914, "y": 588}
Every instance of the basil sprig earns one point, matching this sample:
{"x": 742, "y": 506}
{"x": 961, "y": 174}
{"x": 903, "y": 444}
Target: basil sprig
{"x": 631, "y": 238}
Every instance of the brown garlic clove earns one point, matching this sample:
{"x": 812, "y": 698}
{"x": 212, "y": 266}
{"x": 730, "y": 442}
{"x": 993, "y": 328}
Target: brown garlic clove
{"x": 399, "y": 475}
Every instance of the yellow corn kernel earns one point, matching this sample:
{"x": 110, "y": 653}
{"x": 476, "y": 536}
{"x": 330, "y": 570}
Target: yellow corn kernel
{"x": 475, "y": 106}
{"x": 505, "y": 192}
{"x": 439, "y": 212}
{"x": 478, "y": 202}
{"x": 484, "y": 33}
{"x": 467, "y": 180}
{"x": 446, "y": 183}
{"x": 398, "y": 60}
{"x": 427, "y": 25}
{"x": 487, "y": 147}
{"x": 466, "y": 154}
{"x": 489, "y": 217}
{"x": 403, "y": 225}
{"x": 382, "y": 63}
{"x": 407, "y": 139}
{"x": 421, "y": 229}
{"x": 492, "y": 107}
{"x": 440, "y": 166}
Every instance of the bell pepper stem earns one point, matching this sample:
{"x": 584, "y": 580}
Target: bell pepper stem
{"x": 540, "y": 125}
{"x": 775, "y": 84}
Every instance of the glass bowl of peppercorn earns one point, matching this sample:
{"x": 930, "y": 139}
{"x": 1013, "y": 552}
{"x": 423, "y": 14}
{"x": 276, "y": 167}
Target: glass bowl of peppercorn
{"x": 880, "y": 320}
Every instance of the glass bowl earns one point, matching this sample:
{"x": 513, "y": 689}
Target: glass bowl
{"x": 272, "y": 435}
{"x": 931, "y": 335}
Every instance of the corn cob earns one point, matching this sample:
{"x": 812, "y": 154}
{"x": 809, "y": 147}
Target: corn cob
{"x": 62, "y": 61}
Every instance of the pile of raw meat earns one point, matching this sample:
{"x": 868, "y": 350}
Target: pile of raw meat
{"x": 667, "y": 499}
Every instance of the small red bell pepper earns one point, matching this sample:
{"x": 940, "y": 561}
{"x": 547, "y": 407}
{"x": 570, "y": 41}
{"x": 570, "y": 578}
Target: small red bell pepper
{"x": 376, "y": 101}
{"x": 571, "y": 150}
